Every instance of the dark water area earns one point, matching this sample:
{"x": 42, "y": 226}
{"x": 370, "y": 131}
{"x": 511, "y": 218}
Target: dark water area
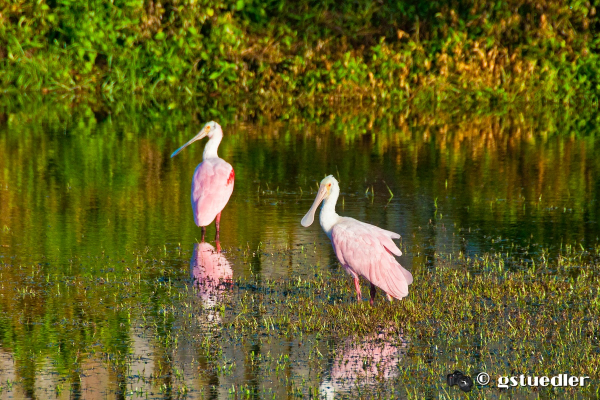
{"x": 89, "y": 195}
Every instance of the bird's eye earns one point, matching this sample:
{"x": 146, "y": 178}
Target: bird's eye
{"x": 329, "y": 185}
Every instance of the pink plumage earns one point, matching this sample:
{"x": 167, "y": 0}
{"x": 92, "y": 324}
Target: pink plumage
{"x": 367, "y": 250}
{"x": 363, "y": 249}
{"x": 212, "y": 187}
{"x": 212, "y": 184}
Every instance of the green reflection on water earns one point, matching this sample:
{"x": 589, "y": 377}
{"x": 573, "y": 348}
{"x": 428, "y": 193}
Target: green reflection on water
{"x": 76, "y": 181}
{"x": 90, "y": 200}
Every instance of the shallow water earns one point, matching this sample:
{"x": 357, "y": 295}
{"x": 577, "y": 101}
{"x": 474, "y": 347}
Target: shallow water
{"x": 88, "y": 198}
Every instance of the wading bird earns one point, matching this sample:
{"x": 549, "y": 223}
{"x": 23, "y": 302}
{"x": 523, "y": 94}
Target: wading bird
{"x": 212, "y": 183}
{"x": 363, "y": 249}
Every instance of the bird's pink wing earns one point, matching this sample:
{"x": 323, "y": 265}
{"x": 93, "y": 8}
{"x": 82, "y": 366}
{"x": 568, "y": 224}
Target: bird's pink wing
{"x": 385, "y": 238}
{"x": 211, "y": 189}
{"x": 366, "y": 250}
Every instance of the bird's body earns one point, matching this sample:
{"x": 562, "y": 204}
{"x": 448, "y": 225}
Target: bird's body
{"x": 363, "y": 249}
{"x": 368, "y": 251}
{"x": 212, "y": 187}
{"x": 212, "y": 184}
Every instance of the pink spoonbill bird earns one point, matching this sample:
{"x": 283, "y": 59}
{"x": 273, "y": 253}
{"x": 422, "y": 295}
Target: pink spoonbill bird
{"x": 363, "y": 249}
{"x": 212, "y": 183}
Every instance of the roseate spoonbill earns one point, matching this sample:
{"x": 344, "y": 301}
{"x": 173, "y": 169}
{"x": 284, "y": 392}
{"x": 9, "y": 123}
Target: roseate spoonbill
{"x": 363, "y": 249}
{"x": 212, "y": 183}
{"x": 211, "y": 273}
{"x": 364, "y": 362}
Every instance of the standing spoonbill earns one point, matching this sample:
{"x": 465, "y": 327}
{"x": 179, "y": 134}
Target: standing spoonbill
{"x": 363, "y": 249}
{"x": 212, "y": 183}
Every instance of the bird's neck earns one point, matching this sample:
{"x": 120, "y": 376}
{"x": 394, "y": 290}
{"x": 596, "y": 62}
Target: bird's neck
{"x": 210, "y": 150}
{"x": 328, "y": 217}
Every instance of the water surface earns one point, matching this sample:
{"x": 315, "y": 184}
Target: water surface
{"x": 91, "y": 195}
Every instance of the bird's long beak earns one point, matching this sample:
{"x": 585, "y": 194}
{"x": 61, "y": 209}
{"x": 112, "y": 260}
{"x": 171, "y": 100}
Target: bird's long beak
{"x": 199, "y": 136}
{"x": 310, "y": 215}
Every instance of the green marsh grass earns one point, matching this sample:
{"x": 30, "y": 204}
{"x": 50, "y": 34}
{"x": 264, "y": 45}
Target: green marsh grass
{"x": 489, "y": 312}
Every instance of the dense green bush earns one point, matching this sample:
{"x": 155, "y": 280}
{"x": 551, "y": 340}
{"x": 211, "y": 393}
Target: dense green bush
{"x": 477, "y": 50}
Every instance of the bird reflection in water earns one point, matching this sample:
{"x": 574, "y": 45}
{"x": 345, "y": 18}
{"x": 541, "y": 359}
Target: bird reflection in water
{"x": 211, "y": 275}
{"x": 364, "y": 362}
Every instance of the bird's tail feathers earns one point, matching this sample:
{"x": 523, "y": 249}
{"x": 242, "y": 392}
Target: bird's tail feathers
{"x": 407, "y": 275}
{"x": 398, "y": 280}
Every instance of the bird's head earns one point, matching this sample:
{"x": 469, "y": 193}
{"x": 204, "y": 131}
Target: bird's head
{"x": 210, "y": 130}
{"x": 328, "y": 186}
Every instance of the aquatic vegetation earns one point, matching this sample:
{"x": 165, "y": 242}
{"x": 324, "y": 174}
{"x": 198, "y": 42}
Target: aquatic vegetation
{"x": 490, "y": 312}
{"x": 478, "y": 51}
{"x": 498, "y": 215}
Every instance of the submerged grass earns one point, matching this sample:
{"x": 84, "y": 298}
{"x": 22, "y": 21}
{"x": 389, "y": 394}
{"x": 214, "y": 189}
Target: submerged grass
{"x": 289, "y": 336}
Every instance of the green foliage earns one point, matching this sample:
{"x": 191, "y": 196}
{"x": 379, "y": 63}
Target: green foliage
{"x": 492, "y": 51}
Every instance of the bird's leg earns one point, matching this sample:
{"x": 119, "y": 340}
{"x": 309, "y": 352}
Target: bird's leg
{"x": 357, "y": 287}
{"x": 218, "y": 246}
{"x": 203, "y": 233}
{"x": 373, "y": 292}
{"x": 218, "y": 223}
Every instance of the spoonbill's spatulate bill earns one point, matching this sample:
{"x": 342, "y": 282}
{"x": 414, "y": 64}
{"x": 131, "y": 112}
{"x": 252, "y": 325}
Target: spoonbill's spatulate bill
{"x": 212, "y": 184}
{"x": 363, "y": 249}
